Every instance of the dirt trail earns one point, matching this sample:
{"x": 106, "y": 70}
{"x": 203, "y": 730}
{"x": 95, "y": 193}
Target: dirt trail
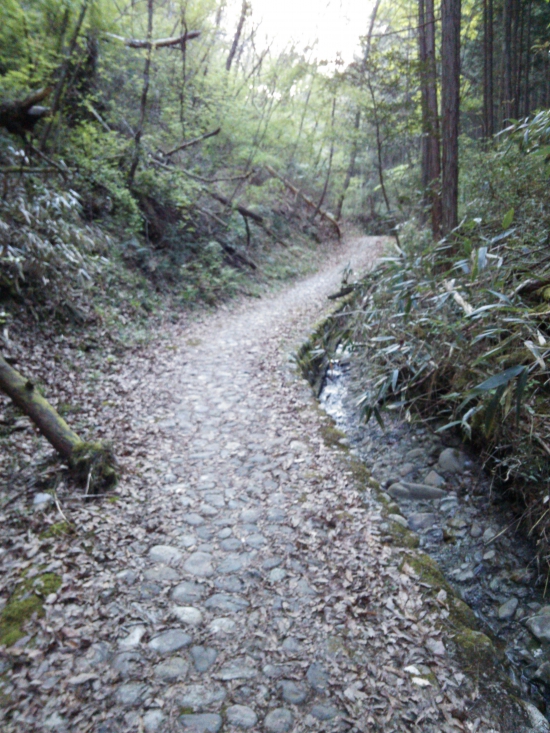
{"x": 240, "y": 582}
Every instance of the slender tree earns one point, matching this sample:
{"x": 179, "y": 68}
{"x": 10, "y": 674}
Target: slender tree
{"x": 450, "y": 100}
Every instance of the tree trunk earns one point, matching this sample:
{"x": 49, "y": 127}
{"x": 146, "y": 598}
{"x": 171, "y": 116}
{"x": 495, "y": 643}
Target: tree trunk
{"x": 237, "y": 38}
{"x": 450, "y": 103}
{"x": 488, "y": 87}
{"x": 93, "y": 463}
{"x": 506, "y": 102}
{"x": 431, "y": 155}
{"x": 144, "y": 93}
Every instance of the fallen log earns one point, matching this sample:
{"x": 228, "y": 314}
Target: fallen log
{"x": 92, "y": 463}
{"x": 297, "y": 192}
{"x": 247, "y": 213}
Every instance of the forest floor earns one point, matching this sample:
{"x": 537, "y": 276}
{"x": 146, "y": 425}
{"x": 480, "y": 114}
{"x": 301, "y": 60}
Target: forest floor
{"x": 237, "y": 579}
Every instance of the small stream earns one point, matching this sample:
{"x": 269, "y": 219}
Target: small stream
{"x": 468, "y": 529}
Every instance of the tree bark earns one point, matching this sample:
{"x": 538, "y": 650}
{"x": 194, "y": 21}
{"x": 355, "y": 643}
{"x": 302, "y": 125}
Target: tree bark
{"x": 488, "y": 86}
{"x": 237, "y": 37}
{"x": 159, "y": 43}
{"x": 431, "y": 155}
{"x": 144, "y": 93}
{"x": 450, "y": 103}
{"x": 93, "y": 464}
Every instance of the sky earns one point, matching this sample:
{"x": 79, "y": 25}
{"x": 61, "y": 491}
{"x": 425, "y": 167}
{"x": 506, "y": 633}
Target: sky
{"x": 337, "y": 24}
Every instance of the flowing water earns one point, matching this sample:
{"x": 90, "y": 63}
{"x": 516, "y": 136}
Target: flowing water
{"x": 472, "y": 532}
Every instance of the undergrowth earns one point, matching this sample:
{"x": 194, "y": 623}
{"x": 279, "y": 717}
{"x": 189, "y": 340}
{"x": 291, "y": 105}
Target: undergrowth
{"x": 459, "y": 332}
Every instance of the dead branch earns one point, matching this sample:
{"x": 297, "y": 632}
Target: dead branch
{"x": 194, "y": 141}
{"x": 159, "y": 43}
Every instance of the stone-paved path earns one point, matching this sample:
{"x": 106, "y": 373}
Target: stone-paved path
{"x": 241, "y": 582}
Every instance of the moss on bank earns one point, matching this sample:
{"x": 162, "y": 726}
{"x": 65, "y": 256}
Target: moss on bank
{"x": 26, "y": 600}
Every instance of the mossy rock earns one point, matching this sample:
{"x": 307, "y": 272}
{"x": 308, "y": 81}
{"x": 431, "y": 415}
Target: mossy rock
{"x": 402, "y": 536}
{"x": 476, "y": 651}
{"x": 461, "y": 615}
{"x": 428, "y": 571}
{"x": 332, "y": 436}
{"x": 26, "y": 600}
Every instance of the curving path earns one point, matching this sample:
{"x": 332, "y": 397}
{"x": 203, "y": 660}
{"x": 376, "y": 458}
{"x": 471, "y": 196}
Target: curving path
{"x": 241, "y": 582}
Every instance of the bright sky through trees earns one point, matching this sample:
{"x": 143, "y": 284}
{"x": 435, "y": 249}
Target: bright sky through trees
{"x": 335, "y": 25}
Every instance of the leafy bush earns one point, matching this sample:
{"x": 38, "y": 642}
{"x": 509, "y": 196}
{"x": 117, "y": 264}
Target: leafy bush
{"x": 459, "y": 333}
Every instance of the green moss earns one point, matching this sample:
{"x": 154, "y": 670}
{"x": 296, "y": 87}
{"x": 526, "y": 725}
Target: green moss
{"x": 332, "y": 436}
{"x": 476, "y": 650}
{"x": 26, "y": 600}
{"x": 94, "y": 465}
{"x": 428, "y": 571}
{"x": 186, "y": 711}
{"x": 59, "y": 529}
{"x": 113, "y": 499}
{"x": 402, "y": 536}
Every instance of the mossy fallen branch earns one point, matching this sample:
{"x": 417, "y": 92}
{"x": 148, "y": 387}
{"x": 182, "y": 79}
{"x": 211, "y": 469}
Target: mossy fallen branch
{"x": 92, "y": 463}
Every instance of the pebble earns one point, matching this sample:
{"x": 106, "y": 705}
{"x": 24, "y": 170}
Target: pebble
{"x": 225, "y": 602}
{"x": 236, "y": 671}
{"x": 292, "y": 692}
{"x": 202, "y": 723}
{"x": 222, "y": 625}
{"x": 507, "y": 609}
{"x": 476, "y": 530}
{"x": 203, "y": 657}
{"x": 324, "y": 712}
{"x": 172, "y": 669}
{"x": 42, "y": 500}
{"x": 131, "y": 694}
{"x": 165, "y": 554}
{"x": 421, "y": 520}
{"x": 399, "y": 518}
{"x": 161, "y": 573}
{"x": 188, "y": 615}
{"x": 188, "y": 591}
{"x": 317, "y": 677}
{"x": 133, "y": 639}
{"x": 241, "y": 716}
{"x": 199, "y": 563}
{"x": 170, "y": 641}
{"x": 434, "y": 479}
{"x": 278, "y": 721}
{"x": 198, "y": 697}
{"x": 452, "y": 461}
{"x": 152, "y": 720}
{"x": 539, "y": 626}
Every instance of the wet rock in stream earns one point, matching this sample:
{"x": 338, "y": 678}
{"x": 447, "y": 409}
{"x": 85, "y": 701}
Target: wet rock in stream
{"x": 446, "y": 499}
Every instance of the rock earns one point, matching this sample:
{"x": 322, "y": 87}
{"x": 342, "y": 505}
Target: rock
{"x": 170, "y": 641}
{"x": 42, "y": 500}
{"x": 250, "y": 516}
{"x": 198, "y": 697}
{"x": 203, "y": 657}
{"x": 278, "y": 721}
{"x": 436, "y": 647}
{"x": 274, "y": 671}
{"x": 292, "y": 692}
{"x": 539, "y": 626}
{"x": 422, "y": 491}
{"x": 195, "y": 520}
{"x": 434, "y": 479}
{"x": 399, "y": 491}
{"x": 488, "y": 535}
{"x": 399, "y": 518}
{"x": 172, "y": 669}
{"x": 406, "y": 468}
{"x": 236, "y": 670}
{"x": 202, "y": 723}
{"x": 543, "y": 673}
{"x": 231, "y": 544}
{"x": 188, "y": 592}
{"x": 539, "y": 724}
{"x": 161, "y": 573}
{"x": 476, "y": 530}
{"x": 127, "y": 663}
{"x": 241, "y": 716}
{"x": 414, "y": 454}
{"x": 457, "y": 522}
{"x": 508, "y": 609}
{"x": 133, "y": 639}
{"x": 131, "y": 694}
{"x": 421, "y": 520}
{"x": 317, "y": 677}
{"x": 199, "y": 563}
{"x": 325, "y": 712}
{"x": 272, "y": 562}
{"x": 452, "y": 461}
{"x": 291, "y": 645}
{"x": 276, "y": 575}
{"x": 229, "y": 583}
{"x": 256, "y": 541}
{"x": 226, "y": 602}
{"x": 232, "y": 563}
{"x": 165, "y": 554}
{"x": 152, "y": 720}
{"x": 187, "y": 615}
{"x": 222, "y": 625}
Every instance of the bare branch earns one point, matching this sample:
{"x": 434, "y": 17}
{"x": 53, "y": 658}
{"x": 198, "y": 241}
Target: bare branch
{"x": 160, "y": 43}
